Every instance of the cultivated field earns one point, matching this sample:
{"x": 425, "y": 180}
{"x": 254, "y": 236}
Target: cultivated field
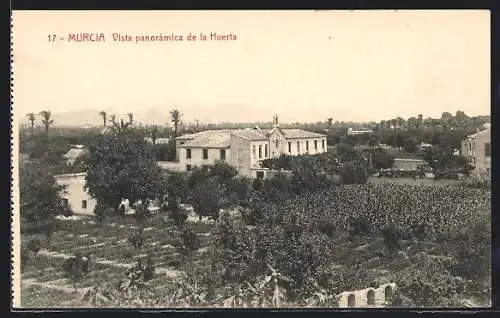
{"x": 435, "y": 225}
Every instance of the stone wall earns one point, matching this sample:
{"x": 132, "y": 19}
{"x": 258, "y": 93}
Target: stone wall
{"x": 369, "y": 297}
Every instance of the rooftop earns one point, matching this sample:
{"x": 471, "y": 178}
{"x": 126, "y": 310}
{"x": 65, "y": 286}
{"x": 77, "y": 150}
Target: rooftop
{"x": 74, "y": 153}
{"x": 222, "y": 138}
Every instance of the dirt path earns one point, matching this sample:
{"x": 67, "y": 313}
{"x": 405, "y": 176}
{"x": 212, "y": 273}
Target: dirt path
{"x": 160, "y": 270}
{"x": 64, "y": 288}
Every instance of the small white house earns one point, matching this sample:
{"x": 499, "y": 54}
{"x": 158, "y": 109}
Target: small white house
{"x": 74, "y": 153}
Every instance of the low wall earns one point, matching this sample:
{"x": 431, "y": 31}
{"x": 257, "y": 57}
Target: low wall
{"x": 369, "y": 297}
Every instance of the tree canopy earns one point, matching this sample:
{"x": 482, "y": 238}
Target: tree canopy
{"x": 122, "y": 166}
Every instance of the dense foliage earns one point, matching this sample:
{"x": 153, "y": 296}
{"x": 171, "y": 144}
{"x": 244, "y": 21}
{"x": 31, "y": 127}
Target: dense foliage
{"x": 122, "y": 166}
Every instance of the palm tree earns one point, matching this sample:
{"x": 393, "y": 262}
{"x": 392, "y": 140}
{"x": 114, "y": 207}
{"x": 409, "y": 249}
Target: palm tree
{"x": 154, "y": 132}
{"x": 130, "y": 118}
{"x": 420, "y": 121}
{"x": 31, "y": 118}
{"x": 330, "y": 122}
{"x": 120, "y": 128}
{"x": 104, "y": 116}
{"x": 175, "y": 115}
{"x": 46, "y": 121}
{"x": 113, "y": 119}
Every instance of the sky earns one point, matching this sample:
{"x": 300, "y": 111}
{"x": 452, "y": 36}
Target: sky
{"x": 305, "y": 66}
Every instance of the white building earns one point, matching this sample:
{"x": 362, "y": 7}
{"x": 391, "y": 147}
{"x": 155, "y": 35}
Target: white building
{"x": 75, "y": 195}
{"x": 361, "y": 131}
{"x": 246, "y": 148}
{"x": 477, "y": 148}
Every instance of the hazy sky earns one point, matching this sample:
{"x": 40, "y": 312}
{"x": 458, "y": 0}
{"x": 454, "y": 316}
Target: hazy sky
{"x": 302, "y": 65}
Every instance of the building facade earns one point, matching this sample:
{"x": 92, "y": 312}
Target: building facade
{"x": 245, "y": 149}
{"x": 75, "y": 195}
{"x": 477, "y": 149}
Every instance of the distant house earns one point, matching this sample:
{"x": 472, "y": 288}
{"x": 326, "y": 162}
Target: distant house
{"x": 360, "y": 131}
{"x": 158, "y": 141}
{"x": 408, "y": 164}
{"x": 477, "y": 149}
{"x": 424, "y": 146}
{"x": 74, "y": 153}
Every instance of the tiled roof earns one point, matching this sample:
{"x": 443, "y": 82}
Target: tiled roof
{"x": 74, "y": 153}
{"x": 299, "y": 133}
{"x": 480, "y": 133}
{"x": 251, "y": 134}
{"x": 210, "y": 139}
{"x": 222, "y": 138}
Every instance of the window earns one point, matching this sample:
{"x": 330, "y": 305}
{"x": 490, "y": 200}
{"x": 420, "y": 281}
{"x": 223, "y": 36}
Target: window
{"x": 189, "y": 168}
{"x": 277, "y": 143}
{"x": 84, "y": 204}
{"x": 222, "y": 154}
{"x": 188, "y": 153}
{"x": 265, "y": 151}
{"x": 487, "y": 149}
{"x": 307, "y": 145}
{"x": 289, "y": 147}
{"x": 470, "y": 145}
{"x": 474, "y": 145}
{"x": 205, "y": 153}
{"x": 254, "y": 152}
{"x": 65, "y": 203}
{"x": 315, "y": 145}
{"x": 323, "y": 144}
{"x": 260, "y": 151}
{"x": 260, "y": 174}
{"x": 298, "y": 146}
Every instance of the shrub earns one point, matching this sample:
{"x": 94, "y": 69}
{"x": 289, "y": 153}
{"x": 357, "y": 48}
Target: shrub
{"x": 391, "y": 235}
{"x": 358, "y": 227}
{"x": 190, "y": 240}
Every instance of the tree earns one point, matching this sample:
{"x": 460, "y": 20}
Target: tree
{"x": 176, "y": 116}
{"x": 31, "y": 118}
{"x": 46, "y": 121}
{"x": 410, "y": 144}
{"x": 206, "y": 199}
{"x": 104, "y": 115}
{"x": 222, "y": 171}
{"x": 122, "y": 166}
{"x": 40, "y": 197}
{"x": 381, "y": 159}
{"x": 330, "y": 122}
{"x": 154, "y": 134}
{"x": 130, "y": 118}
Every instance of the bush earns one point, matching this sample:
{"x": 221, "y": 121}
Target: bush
{"x": 137, "y": 239}
{"x": 190, "y": 241}
{"x": 391, "y": 235}
{"x": 326, "y": 226}
{"x": 358, "y": 227}
{"x": 236, "y": 249}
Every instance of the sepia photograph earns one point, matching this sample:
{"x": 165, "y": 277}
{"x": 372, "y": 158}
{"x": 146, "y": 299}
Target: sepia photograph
{"x": 251, "y": 159}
